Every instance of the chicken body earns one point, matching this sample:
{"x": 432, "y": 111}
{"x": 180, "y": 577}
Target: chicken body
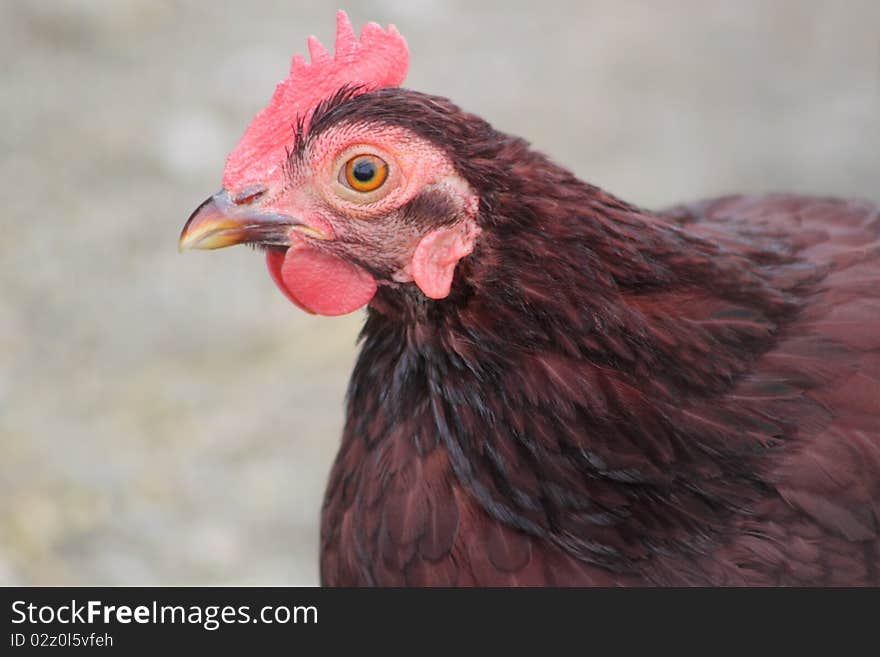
{"x": 617, "y": 397}
{"x": 720, "y": 428}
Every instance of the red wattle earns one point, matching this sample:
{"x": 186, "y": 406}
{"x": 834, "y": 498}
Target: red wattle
{"x": 320, "y": 283}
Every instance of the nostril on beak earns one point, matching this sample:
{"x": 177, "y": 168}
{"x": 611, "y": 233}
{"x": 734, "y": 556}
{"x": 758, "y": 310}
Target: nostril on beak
{"x": 248, "y": 194}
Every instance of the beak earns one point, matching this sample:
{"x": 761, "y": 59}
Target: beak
{"x": 219, "y": 222}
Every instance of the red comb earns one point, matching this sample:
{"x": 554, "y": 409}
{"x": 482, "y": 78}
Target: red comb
{"x": 378, "y": 59}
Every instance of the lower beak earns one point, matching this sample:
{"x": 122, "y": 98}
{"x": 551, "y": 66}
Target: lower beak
{"x": 218, "y": 222}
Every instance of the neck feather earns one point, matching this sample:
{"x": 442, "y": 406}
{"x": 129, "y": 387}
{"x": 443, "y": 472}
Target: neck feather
{"x": 554, "y": 371}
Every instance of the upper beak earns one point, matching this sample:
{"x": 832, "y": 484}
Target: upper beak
{"x": 220, "y": 222}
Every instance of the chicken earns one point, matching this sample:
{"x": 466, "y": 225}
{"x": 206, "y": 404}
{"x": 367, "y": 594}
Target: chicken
{"x": 556, "y": 387}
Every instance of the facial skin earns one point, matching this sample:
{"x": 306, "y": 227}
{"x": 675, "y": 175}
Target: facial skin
{"x": 338, "y": 232}
{"x": 379, "y": 229}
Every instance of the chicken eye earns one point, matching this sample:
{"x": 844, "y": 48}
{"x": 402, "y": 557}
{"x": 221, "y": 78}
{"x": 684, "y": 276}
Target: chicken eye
{"x": 364, "y": 173}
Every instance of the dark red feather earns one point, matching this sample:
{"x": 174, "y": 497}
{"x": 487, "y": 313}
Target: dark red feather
{"x": 614, "y": 396}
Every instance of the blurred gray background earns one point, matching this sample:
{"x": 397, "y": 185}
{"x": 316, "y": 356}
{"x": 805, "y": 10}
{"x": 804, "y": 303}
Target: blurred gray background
{"x": 170, "y": 419}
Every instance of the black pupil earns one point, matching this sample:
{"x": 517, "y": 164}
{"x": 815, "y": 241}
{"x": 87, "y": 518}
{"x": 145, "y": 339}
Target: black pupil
{"x": 364, "y": 171}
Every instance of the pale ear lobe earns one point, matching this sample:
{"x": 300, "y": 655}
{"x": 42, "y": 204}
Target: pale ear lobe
{"x": 433, "y": 263}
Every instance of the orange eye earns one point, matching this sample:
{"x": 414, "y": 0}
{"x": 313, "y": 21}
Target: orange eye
{"x": 364, "y": 173}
